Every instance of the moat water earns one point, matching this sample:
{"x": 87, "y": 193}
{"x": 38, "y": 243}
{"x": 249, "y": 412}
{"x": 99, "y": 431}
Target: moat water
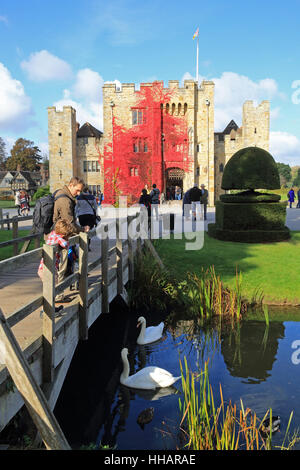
{"x": 258, "y": 364}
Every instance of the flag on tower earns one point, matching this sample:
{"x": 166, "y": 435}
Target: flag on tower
{"x": 196, "y": 34}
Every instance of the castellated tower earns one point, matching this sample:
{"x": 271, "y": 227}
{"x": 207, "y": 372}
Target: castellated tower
{"x": 62, "y": 146}
{"x": 254, "y": 132}
{"x": 256, "y": 124}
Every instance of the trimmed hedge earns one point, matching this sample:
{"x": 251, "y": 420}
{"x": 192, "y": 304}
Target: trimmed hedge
{"x": 251, "y": 168}
{"x": 249, "y": 216}
{"x": 250, "y": 196}
{"x": 249, "y": 236}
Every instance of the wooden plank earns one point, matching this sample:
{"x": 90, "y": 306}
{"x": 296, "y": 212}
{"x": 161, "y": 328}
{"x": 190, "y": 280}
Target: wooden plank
{"x": 20, "y": 260}
{"x": 59, "y": 288}
{"x": 119, "y": 249}
{"x": 104, "y": 274}
{"x": 22, "y": 313}
{"x": 83, "y": 284}
{"x": 32, "y": 395}
{"x": 130, "y": 251}
{"x": 49, "y": 311}
{"x": 15, "y": 235}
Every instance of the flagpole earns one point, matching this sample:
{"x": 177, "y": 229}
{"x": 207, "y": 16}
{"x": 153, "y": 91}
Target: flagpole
{"x": 197, "y": 66}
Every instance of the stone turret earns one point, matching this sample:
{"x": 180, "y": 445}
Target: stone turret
{"x": 62, "y": 146}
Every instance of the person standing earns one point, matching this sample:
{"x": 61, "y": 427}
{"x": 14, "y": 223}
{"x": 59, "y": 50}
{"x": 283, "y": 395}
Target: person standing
{"x": 178, "y": 193}
{"x": 291, "y": 197}
{"x": 155, "y": 199}
{"x": 204, "y": 199}
{"x": 186, "y": 203}
{"x": 24, "y": 203}
{"x": 64, "y": 208}
{"x": 17, "y": 202}
{"x": 86, "y": 209}
{"x": 298, "y": 194}
{"x": 195, "y": 196}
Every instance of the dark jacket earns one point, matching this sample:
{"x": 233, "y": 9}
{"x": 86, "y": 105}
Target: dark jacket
{"x": 146, "y": 200}
{"x": 195, "y": 194}
{"x": 64, "y": 208}
{"x": 155, "y": 196}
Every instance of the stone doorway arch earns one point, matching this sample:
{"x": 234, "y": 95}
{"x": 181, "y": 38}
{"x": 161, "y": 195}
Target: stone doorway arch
{"x": 174, "y": 177}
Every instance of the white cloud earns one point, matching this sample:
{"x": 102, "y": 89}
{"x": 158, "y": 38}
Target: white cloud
{"x": 232, "y": 90}
{"x": 86, "y": 97}
{"x": 15, "y": 110}
{"x": 43, "y": 66}
{"x": 285, "y": 148}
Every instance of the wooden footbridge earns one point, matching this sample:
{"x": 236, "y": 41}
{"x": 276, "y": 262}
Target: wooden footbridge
{"x": 35, "y": 350}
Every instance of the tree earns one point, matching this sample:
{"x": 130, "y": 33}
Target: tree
{"x": 296, "y": 181}
{"x": 25, "y": 154}
{"x": 3, "y": 154}
{"x": 285, "y": 173}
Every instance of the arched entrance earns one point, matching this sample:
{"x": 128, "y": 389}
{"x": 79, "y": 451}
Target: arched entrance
{"x": 174, "y": 177}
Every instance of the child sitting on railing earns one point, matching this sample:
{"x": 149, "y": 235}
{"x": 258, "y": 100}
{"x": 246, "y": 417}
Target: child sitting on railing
{"x": 59, "y": 236}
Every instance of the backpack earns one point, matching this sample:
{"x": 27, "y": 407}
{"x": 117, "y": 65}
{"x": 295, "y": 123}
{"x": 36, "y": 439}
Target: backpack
{"x": 155, "y": 196}
{"x": 43, "y": 213}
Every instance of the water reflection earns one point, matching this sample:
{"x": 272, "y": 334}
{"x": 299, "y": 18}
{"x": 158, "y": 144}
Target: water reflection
{"x": 252, "y": 362}
{"x": 250, "y": 351}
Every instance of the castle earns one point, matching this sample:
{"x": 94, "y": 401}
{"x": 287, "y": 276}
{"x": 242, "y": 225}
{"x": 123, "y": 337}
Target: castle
{"x": 151, "y": 135}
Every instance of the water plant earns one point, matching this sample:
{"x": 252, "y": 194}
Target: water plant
{"x": 205, "y": 426}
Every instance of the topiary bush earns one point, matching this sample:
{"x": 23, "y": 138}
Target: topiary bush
{"x": 250, "y": 216}
{"x": 251, "y": 168}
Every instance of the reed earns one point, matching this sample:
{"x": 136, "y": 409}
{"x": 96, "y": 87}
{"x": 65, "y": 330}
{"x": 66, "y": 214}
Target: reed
{"x": 205, "y": 426}
{"x": 208, "y": 297}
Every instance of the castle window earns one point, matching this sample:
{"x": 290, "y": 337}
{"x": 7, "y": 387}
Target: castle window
{"x": 59, "y": 134}
{"x": 138, "y": 116}
{"x": 198, "y": 171}
{"x": 179, "y": 108}
{"x": 135, "y": 146}
{"x": 167, "y": 108}
{"x": 145, "y": 146}
{"x": 255, "y": 130}
{"x": 85, "y": 140}
{"x": 134, "y": 171}
{"x": 173, "y": 108}
{"x": 91, "y": 166}
{"x": 221, "y": 168}
{"x": 185, "y": 108}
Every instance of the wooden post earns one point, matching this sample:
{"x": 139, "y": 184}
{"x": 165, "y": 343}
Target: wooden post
{"x": 15, "y": 235}
{"x": 49, "y": 311}
{"x": 31, "y": 393}
{"x": 104, "y": 273}
{"x": 83, "y": 284}
{"x": 119, "y": 248}
{"x": 130, "y": 251}
{"x": 7, "y": 216}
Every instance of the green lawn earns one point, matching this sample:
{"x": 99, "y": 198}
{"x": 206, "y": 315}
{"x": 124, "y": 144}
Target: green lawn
{"x": 7, "y": 251}
{"x": 272, "y": 268}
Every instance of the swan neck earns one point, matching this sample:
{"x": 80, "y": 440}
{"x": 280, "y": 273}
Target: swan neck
{"x": 142, "y": 332}
{"x": 125, "y": 373}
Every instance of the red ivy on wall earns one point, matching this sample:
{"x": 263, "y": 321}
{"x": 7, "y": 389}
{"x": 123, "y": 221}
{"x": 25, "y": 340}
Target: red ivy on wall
{"x": 157, "y": 140}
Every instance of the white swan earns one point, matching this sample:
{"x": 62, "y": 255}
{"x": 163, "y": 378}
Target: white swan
{"x": 148, "y": 378}
{"x": 150, "y": 334}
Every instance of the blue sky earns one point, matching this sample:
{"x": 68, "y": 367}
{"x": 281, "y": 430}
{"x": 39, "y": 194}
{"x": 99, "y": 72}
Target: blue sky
{"x": 61, "y": 52}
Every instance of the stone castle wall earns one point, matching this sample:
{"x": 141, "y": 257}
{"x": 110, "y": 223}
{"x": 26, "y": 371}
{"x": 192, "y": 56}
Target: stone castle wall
{"x": 208, "y": 152}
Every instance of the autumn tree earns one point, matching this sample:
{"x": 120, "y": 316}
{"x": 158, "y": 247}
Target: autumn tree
{"x": 3, "y": 154}
{"x": 25, "y": 154}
